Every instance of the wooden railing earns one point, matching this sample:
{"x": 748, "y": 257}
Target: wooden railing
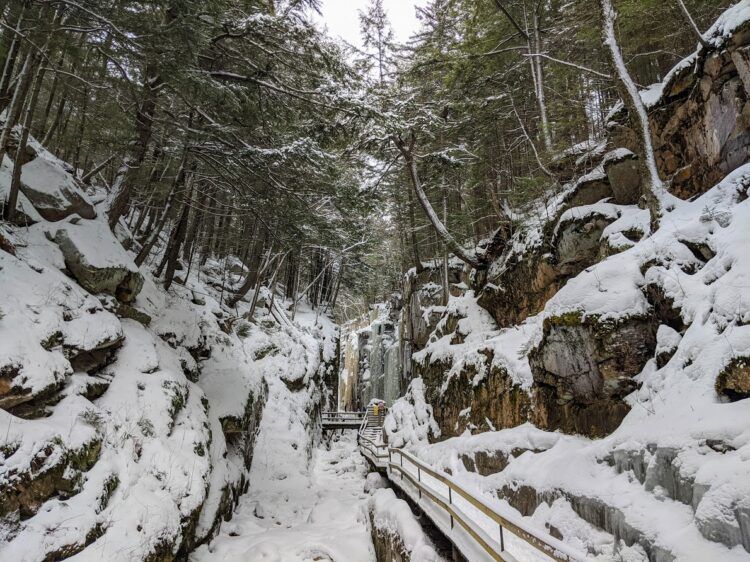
{"x": 419, "y": 474}
{"x": 343, "y": 416}
{"x": 343, "y": 420}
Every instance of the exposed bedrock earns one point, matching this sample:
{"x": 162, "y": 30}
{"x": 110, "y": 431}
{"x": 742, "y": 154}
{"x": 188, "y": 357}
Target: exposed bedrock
{"x": 584, "y": 367}
{"x": 700, "y": 124}
{"x": 523, "y": 284}
{"x": 593, "y": 510}
{"x": 421, "y": 292}
{"x": 577, "y": 243}
{"x": 734, "y": 379}
{"x": 55, "y": 470}
{"x": 522, "y": 289}
{"x": 489, "y": 401}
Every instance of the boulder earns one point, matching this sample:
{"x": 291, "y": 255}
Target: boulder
{"x": 577, "y": 240}
{"x": 126, "y": 311}
{"x": 26, "y": 214}
{"x": 667, "y": 340}
{"x": 623, "y": 172}
{"x": 589, "y": 189}
{"x": 53, "y": 192}
{"x": 90, "y": 340}
{"x": 97, "y": 261}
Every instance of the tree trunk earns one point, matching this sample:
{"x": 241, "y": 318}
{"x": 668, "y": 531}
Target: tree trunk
{"x": 10, "y": 59}
{"x": 413, "y": 231}
{"x": 654, "y": 190}
{"x": 442, "y": 232}
{"x": 15, "y": 183}
{"x": 155, "y": 232}
{"x": 539, "y": 82}
{"x": 691, "y": 24}
{"x": 173, "y": 250}
{"x": 144, "y": 119}
{"x": 23, "y": 82}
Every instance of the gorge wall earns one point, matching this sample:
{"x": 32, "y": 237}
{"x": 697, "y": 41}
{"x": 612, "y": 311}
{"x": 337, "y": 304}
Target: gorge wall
{"x": 600, "y": 363}
{"x": 129, "y": 413}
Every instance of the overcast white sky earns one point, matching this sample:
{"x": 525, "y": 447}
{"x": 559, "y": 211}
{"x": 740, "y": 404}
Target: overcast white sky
{"x": 341, "y": 18}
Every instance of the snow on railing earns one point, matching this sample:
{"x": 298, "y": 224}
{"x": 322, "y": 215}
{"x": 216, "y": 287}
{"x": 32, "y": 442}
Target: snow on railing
{"x": 482, "y": 525}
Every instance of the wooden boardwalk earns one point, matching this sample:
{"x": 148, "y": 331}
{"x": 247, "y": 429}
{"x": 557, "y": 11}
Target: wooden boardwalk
{"x": 465, "y": 517}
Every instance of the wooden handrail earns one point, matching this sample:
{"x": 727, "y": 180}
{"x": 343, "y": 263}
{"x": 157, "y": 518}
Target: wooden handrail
{"x": 452, "y": 511}
{"x": 553, "y": 548}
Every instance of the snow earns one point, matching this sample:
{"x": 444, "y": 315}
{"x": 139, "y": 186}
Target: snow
{"x": 6, "y": 171}
{"x": 97, "y": 246}
{"x": 393, "y": 516}
{"x": 163, "y": 458}
{"x": 47, "y": 174}
{"x": 727, "y": 23}
{"x": 300, "y": 509}
{"x": 609, "y": 290}
{"x": 676, "y": 407}
{"x": 409, "y": 420}
{"x": 667, "y": 339}
{"x": 607, "y": 210}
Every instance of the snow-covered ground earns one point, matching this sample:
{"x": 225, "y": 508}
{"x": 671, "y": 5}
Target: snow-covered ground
{"x": 296, "y": 512}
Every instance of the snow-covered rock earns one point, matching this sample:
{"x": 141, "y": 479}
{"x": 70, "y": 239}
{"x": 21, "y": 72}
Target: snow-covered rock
{"x": 97, "y": 260}
{"x": 396, "y": 532}
{"x": 53, "y": 191}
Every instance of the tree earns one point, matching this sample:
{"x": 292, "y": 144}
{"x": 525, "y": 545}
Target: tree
{"x": 377, "y": 39}
{"x": 654, "y": 188}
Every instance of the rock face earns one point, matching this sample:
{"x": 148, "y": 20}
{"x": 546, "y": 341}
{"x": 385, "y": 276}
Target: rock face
{"x": 699, "y": 123}
{"x": 621, "y": 167}
{"x": 422, "y": 291}
{"x": 494, "y": 402}
{"x": 734, "y": 380}
{"x": 583, "y": 368}
{"x": 56, "y": 471}
{"x": 97, "y": 261}
{"x": 578, "y": 244}
{"x": 53, "y": 192}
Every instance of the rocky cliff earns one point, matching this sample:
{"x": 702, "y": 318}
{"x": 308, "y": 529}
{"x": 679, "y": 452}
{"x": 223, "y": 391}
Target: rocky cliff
{"x": 622, "y": 339}
{"x": 129, "y": 414}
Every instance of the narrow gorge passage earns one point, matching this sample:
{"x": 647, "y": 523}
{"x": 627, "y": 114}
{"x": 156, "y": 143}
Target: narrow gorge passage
{"x": 504, "y": 243}
{"x": 315, "y": 514}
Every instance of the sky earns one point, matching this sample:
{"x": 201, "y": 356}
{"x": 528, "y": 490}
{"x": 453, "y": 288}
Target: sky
{"x": 342, "y": 19}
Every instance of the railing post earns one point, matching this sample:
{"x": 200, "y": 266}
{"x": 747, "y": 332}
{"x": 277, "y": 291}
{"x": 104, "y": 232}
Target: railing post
{"x": 419, "y": 479}
{"x": 402, "y": 464}
{"x": 502, "y": 540}
{"x": 450, "y": 502}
